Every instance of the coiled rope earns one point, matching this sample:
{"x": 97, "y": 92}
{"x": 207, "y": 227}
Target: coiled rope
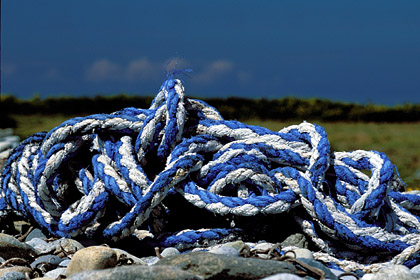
{"x": 64, "y": 180}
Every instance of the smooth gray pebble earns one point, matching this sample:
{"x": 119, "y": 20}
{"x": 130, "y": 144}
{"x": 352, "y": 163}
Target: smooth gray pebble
{"x": 13, "y": 275}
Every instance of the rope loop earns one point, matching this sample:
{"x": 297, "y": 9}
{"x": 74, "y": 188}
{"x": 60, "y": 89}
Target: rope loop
{"x": 106, "y": 174}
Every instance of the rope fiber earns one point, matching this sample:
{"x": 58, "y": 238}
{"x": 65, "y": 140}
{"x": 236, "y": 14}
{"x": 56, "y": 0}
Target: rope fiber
{"x": 105, "y": 174}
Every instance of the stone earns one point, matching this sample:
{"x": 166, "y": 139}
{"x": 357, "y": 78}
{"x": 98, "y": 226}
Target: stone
{"x": 17, "y": 268}
{"x": 90, "y": 258}
{"x": 64, "y": 263}
{"x": 61, "y": 247}
{"x": 339, "y": 272}
{"x": 212, "y": 266}
{"x": 50, "y": 260}
{"x": 150, "y": 260}
{"x": 394, "y": 272}
{"x": 142, "y": 234}
{"x": 225, "y": 250}
{"x": 13, "y": 275}
{"x": 296, "y": 240}
{"x": 238, "y": 245}
{"x": 262, "y": 247}
{"x": 35, "y": 233}
{"x": 415, "y": 269}
{"x": 55, "y": 273}
{"x": 10, "y": 247}
{"x": 300, "y": 253}
{"x": 66, "y": 246}
{"x": 316, "y": 264}
{"x": 228, "y": 249}
{"x": 40, "y": 245}
{"x": 282, "y": 276}
{"x": 133, "y": 272}
{"x": 170, "y": 251}
{"x": 368, "y": 276}
{"x": 135, "y": 259}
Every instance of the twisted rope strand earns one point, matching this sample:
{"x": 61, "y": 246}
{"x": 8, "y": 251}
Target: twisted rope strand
{"x": 105, "y": 174}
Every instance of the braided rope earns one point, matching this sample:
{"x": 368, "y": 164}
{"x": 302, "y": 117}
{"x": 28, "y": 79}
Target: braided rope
{"x": 66, "y": 179}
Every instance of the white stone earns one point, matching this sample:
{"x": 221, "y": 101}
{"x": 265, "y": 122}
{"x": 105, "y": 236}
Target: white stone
{"x": 301, "y": 253}
{"x": 225, "y": 250}
{"x": 170, "y": 251}
{"x": 265, "y": 247}
{"x": 282, "y": 276}
{"x": 55, "y": 273}
{"x": 367, "y": 276}
{"x": 394, "y": 272}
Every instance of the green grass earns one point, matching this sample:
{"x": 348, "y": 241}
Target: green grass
{"x": 399, "y": 141}
{"x": 30, "y": 124}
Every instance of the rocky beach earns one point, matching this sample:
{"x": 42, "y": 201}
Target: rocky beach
{"x": 30, "y": 254}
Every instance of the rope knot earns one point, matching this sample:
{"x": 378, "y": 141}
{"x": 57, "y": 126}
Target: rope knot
{"x": 106, "y": 174}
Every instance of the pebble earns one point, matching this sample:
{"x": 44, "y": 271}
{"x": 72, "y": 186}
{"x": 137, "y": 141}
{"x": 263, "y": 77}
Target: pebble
{"x": 62, "y": 247}
{"x": 68, "y": 258}
{"x": 394, "y": 272}
{"x": 55, "y": 273}
{"x": 150, "y": 260}
{"x": 225, "y": 250}
{"x": 314, "y": 263}
{"x": 296, "y": 240}
{"x": 170, "y": 251}
{"x": 300, "y": 253}
{"x": 135, "y": 259}
{"x": 263, "y": 247}
{"x": 52, "y": 260}
{"x": 339, "y": 272}
{"x": 40, "y": 245}
{"x": 238, "y": 245}
{"x": 13, "y": 275}
{"x": 17, "y": 268}
{"x": 90, "y": 258}
{"x": 64, "y": 263}
{"x": 212, "y": 266}
{"x": 35, "y": 233}
{"x": 415, "y": 269}
{"x": 282, "y": 276}
{"x": 66, "y": 246}
{"x": 10, "y": 247}
{"x": 132, "y": 272}
{"x": 367, "y": 276}
{"x": 228, "y": 249}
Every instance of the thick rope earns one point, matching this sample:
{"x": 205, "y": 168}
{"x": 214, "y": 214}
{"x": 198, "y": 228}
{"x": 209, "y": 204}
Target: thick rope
{"x": 69, "y": 180}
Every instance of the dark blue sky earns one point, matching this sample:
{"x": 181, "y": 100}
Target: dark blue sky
{"x": 355, "y": 51}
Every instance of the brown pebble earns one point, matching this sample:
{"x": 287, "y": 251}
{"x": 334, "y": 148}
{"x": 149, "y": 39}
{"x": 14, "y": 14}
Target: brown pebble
{"x": 91, "y": 258}
{"x": 22, "y": 269}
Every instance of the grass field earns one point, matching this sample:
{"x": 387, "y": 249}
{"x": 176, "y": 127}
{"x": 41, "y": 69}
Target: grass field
{"x": 400, "y": 141}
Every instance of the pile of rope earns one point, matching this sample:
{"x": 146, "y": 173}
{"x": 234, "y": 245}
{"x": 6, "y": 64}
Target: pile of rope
{"x": 70, "y": 179}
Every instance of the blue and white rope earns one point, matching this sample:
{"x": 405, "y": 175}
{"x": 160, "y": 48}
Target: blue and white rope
{"x": 68, "y": 179}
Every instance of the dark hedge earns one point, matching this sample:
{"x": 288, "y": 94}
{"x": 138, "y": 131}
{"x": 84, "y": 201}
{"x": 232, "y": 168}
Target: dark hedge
{"x": 288, "y": 108}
